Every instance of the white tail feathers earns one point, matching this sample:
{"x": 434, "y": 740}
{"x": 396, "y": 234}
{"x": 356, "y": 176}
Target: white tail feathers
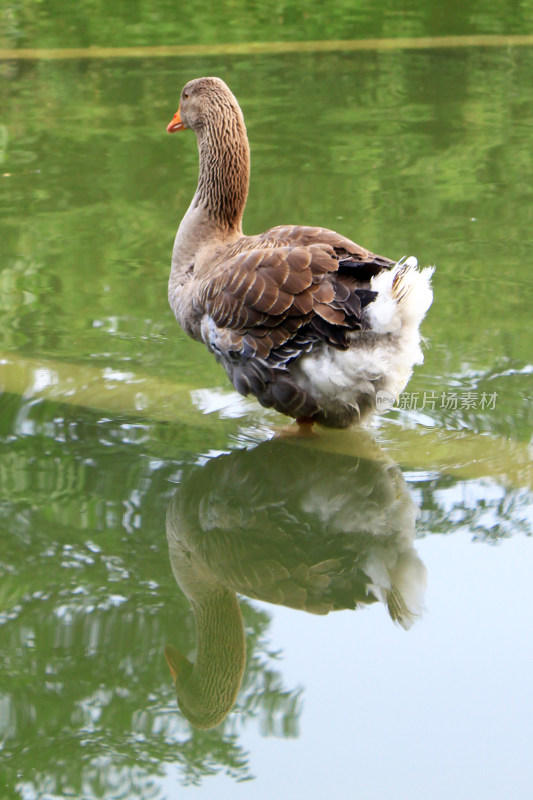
{"x": 381, "y": 356}
{"x": 404, "y": 296}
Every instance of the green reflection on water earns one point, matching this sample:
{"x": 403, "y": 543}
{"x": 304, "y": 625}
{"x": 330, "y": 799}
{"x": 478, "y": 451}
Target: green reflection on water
{"x": 408, "y": 152}
{"x": 88, "y": 602}
{"x": 54, "y": 23}
{"x": 88, "y": 605}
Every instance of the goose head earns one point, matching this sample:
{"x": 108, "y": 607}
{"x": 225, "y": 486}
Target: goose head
{"x": 204, "y": 101}
{"x": 205, "y": 700}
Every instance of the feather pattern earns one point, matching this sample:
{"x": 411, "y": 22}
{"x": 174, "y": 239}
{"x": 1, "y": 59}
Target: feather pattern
{"x": 275, "y": 306}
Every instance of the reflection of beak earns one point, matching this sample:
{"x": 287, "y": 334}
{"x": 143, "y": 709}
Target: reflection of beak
{"x": 175, "y": 660}
{"x": 176, "y": 124}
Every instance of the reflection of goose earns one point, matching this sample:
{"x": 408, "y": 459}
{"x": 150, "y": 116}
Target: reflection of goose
{"x": 337, "y": 534}
{"x": 303, "y": 318}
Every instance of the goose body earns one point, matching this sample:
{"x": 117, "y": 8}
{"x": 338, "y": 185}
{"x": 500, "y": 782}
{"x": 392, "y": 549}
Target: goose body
{"x": 308, "y": 321}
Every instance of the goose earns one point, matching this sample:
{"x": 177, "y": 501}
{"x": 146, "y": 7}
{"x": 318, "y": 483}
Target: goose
{"x": 335, "y": 535}
{"x": 306, "y": 320}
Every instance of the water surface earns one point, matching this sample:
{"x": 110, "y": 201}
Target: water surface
{"x": 110, "y": 415}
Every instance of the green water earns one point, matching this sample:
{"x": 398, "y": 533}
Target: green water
{"x": 117, "y": 430}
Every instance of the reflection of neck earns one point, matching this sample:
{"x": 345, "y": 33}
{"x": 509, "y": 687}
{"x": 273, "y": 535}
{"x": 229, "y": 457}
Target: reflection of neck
{"x": 209, "y": 692}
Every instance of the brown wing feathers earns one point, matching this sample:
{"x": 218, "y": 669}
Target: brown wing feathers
{"x": 277, "y": 295}
{"x": 267, "y": 295}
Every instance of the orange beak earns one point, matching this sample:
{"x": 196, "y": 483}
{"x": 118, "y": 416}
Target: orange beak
{"x": 175, "y": 660}
{"x": 176, "y": 124}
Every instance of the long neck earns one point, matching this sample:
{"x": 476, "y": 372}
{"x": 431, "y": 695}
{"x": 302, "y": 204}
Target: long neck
{"x": 210, "y": 691}
{"x": 216, "y": 210}
{"x": 224, "y": 170}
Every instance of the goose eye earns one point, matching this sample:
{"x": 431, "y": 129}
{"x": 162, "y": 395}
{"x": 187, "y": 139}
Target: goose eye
{"x": 185, "y": 96}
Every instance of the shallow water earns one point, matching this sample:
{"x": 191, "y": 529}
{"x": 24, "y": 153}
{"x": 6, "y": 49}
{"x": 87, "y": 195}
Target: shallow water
{"x": 117, "y": 431}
